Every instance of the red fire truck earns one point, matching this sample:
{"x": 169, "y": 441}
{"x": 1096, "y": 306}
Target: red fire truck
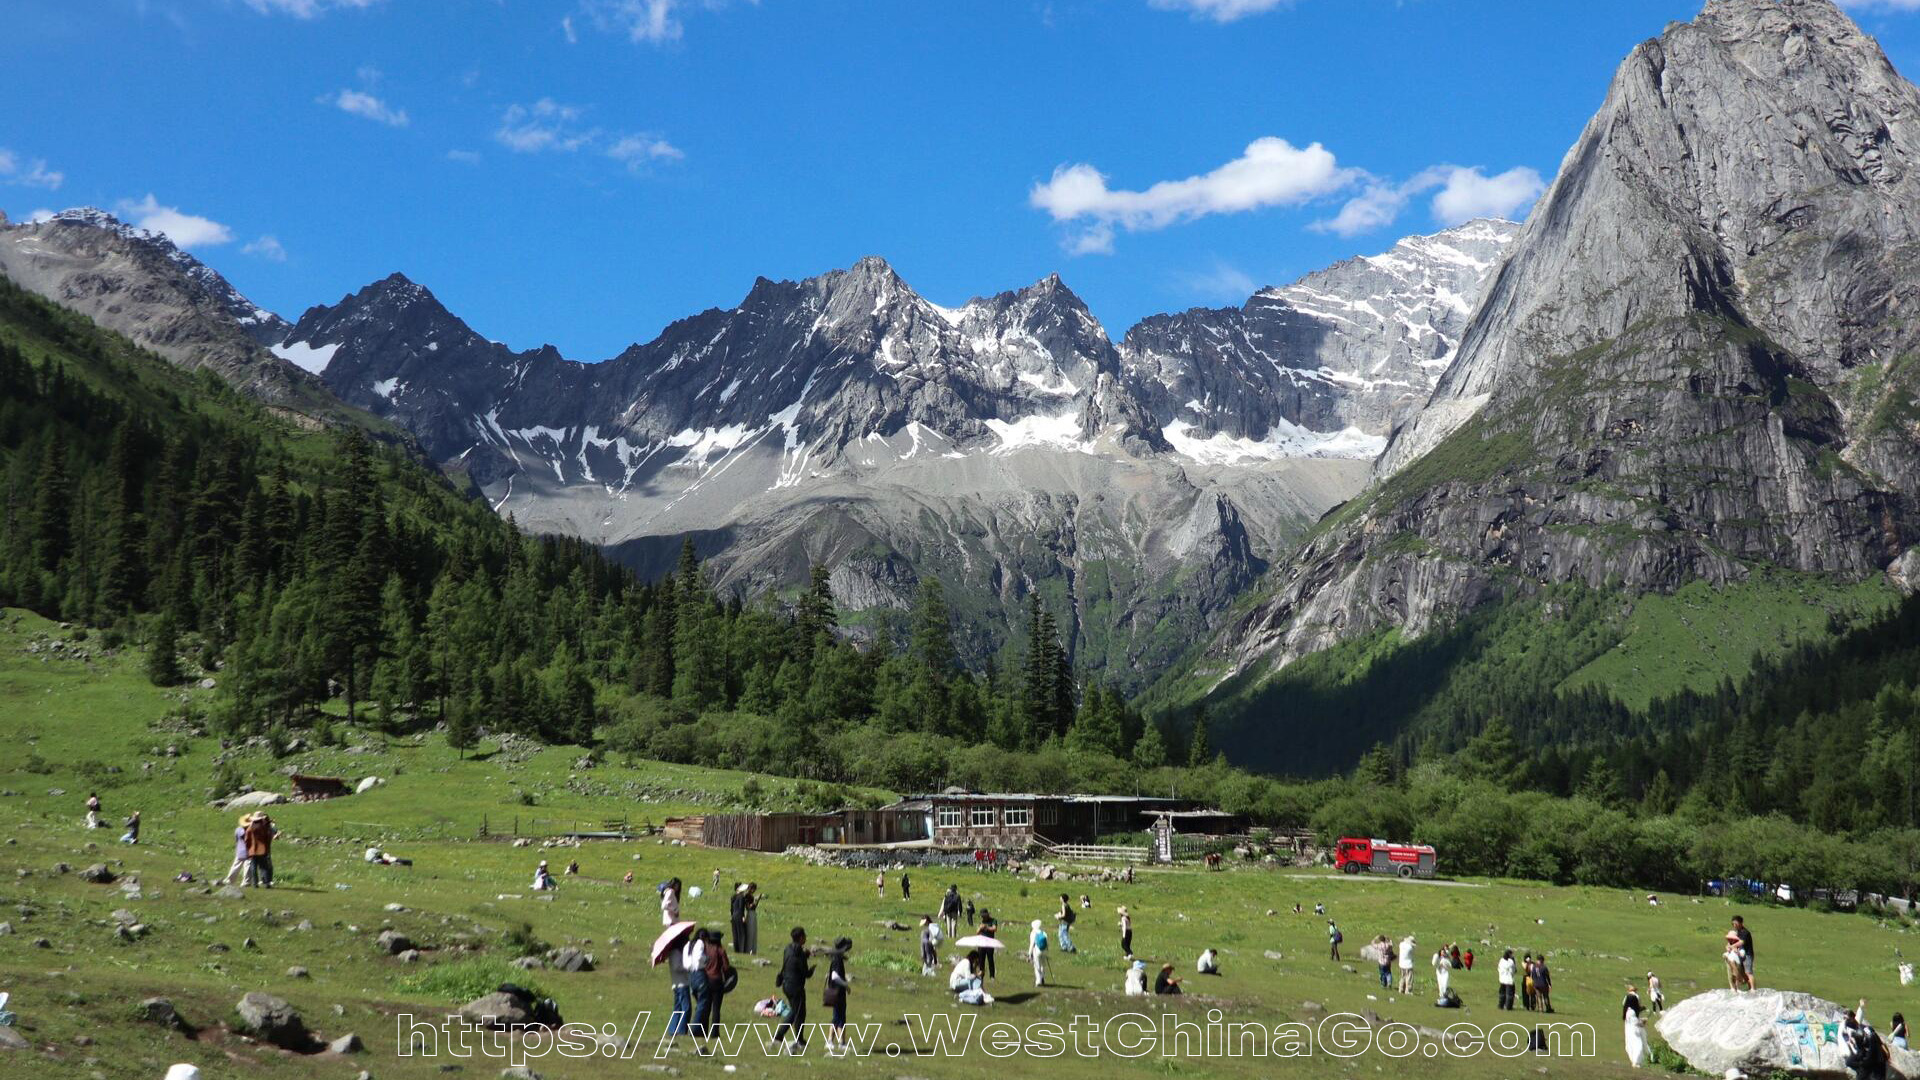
{"x": 1354, "y": 856}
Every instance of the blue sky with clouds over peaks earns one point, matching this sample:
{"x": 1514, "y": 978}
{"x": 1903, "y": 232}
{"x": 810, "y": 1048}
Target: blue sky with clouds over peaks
{"x": 581, "y": 172}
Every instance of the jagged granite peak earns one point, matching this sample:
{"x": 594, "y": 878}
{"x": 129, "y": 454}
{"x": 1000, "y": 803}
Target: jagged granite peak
{"x": 1328, "y": 364}
{"x": 1696, "y": 362}
{"x": 140, "y": 284}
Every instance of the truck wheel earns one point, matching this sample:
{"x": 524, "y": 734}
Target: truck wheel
{"x": 1406, "y": 872}
{"x": 1351, "y": 868}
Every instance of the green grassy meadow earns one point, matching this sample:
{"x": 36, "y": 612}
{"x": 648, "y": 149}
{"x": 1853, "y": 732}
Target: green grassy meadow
{"x": 68, "y": 724}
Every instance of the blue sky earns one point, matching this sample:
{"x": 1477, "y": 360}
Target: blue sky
{"x": 582, "y": 172}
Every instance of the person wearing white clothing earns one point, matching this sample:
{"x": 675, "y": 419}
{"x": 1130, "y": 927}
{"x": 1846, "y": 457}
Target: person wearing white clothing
{"x": 1442, "y": 970}
{"x": 1506, "y": 969}
{"x": 670, "y": 902}
{"x": 1136, "y": 985}
{"x": 1037, "y": 946}
{"x": 1633, "y": 1029}
{"x": 1208, "y": 964}
{"x": 1406, "y": 964}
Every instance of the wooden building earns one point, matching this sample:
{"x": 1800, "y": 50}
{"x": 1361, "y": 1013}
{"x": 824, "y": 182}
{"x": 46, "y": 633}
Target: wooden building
{"x": 763, "y": 832}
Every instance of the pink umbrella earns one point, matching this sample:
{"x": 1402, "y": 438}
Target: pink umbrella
{"x": 670, "y": 937}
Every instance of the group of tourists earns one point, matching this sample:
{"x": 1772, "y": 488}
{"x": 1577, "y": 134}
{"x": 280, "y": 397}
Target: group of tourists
{"x": 252, "y": 851}
{"x": 131, "y": 835}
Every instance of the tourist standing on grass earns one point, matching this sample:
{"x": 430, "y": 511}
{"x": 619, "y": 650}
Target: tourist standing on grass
{"x": 794, "y": 973}
{"x": 989, "y": 927}
{"x": 970, "y": 919}
{"x": 1526, "y": 981}
{"x": 1543, "y": 984}
{"x": 237, "y": 872}
{"x": 1504, "y": 971}
{"x": 1745, "y": 938}
{"x": 950, "y": 910}
{"x": 1037, "y": 951}
{"x": 718, "y": 968}
{"x": 1126, "y": 933}
{"x": 834, "y": 995}
{"x": 929, "y": 946}
{"x": 132, "y": 835}
{"x": 680, "y": 1021}
{"x": 1065, "y": 919}
{"x": 906, "y": 886}
{"x": 260, "y": 836}
{"x": 1656, "y": 996}
{"x": 670, "y": 902}
{"x": 1406, "y": 964}
{"x": 1383, "y": 955}
{"x": 753, "y": 917}
{"x": 1334, "y": 938}
{"x": 1633, "y": 1029}
{"x": 93, "y": 811}
{"x": 880, "y": 884}
{"x": 737, "y": 917}
{"x": 693, "y": 959}
{"x": 1442, "y": 970}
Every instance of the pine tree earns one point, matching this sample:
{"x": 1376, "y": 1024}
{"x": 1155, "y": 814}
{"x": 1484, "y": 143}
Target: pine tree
{"x": 460, "y": 731}
{"x": 1375, "y": 768}
{"x": 163, "y": 653}
{"x": 1150, "y": 750}
{"x": 1199, "y": 752}
{"x": 1493, "y": 755}
{"x": 1601, "y": 784}
{"x": 815, "y": 615}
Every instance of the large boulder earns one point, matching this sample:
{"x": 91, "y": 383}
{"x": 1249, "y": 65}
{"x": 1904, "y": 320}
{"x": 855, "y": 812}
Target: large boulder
{"x": 98, "y": 874}
{"x": 254, "y": 799}
{"x": 393, "y": 942}
{"x": 158, "y": 1010}
{"x": 272, "y": 1020}
{"x": 1766, "y": 1032}
{"x": 511, "y": 1006}
{"x": 570, "y": 959}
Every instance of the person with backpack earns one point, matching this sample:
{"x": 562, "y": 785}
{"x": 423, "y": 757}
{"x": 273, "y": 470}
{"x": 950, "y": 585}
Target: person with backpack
{"x": 1065, "y": 920}
{"x": 1037, "y": 949}
{"x": 1334, "y": 938}
{"x": 1866, "y": 1054}
{"x": 950, "y": 910}
{"x": 721, "y": 978}
{"x": 834, "y": 996}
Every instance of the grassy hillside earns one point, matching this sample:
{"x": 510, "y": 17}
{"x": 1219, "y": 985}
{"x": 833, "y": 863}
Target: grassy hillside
{"x": 1581, "y": 663}
{"x": 78, "y": 724}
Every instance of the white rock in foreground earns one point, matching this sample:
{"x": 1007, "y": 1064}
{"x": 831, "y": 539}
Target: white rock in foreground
{"x": 1765, "y": 1032}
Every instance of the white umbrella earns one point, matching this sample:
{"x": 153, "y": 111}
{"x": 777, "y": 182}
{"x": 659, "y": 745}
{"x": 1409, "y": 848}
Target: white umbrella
{"x": 978, "y": 941}
{"x": 669, "y": 938}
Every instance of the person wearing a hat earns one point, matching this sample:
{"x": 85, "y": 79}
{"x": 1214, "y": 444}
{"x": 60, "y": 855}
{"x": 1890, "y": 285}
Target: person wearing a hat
{"x": 1126, "y": 933}
{"x": 1406, "y": 964}
{"x": 1037, "y": 949}
{"x": 1136, "y": 985}
{"x": 542, "y": 878}
{"x": 237, "y": 872}
{"x": 260, "y": 837}
{"x": 1656, "y": 996}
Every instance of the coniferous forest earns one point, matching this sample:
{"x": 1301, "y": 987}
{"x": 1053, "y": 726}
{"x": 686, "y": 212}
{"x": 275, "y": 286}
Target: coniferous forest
{"x": 327, "y": 575}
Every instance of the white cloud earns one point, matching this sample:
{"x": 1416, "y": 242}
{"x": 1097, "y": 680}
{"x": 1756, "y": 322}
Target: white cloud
{"x": 636, "y": 151}
{"x": 464, "y": 157}
{"x": 544, "y": 125}
{"x": 42, "y": 214}
{"x": 1465, "y": 194}
{"x": 267, "y": 247}
{"x": 566, "y": 27}
{"x": 651, "y": 21}
{"x": 186, "y": 230}
{"x": 23, "y": 173}
{"x": 1221, "y": 11}
{"x": 305, "y": 9}
{"x": 1271, "y": 172}
{"x": 1881, "y": 5}
{"x": 1468, "y": 193}
{"x": 362, "y": 104}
